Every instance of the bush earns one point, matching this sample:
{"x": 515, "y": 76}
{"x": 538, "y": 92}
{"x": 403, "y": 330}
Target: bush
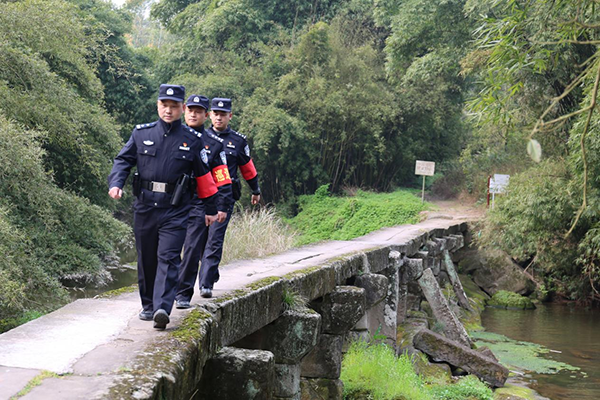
{"x": 510, "y": 300}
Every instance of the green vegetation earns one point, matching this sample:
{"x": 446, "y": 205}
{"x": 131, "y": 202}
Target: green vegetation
{"x": 292, "y": 300}
{"x": 510, "y": 300}
{"x": 36, "y": 381}
{"x": 117, "y": 292}
{"x": 374, "y": 371}
{"x": 324, "y": 217}
{"x": 524, "y": 356}
{"x": 191, "y": 328}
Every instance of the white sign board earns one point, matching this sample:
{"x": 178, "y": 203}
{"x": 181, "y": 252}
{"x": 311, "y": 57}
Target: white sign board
{"x": 425, "y": 168}
{"x": 499, "y": 183}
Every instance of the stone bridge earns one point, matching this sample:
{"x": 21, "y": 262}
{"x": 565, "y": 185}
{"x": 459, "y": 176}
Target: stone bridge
{"x": 276, "y": 329}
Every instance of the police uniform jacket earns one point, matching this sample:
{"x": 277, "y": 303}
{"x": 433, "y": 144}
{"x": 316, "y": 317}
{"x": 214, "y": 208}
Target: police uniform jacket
{"x": 217, "y": 162}
{"x": 237, "y": 152}
{"x": 163, "y": 152}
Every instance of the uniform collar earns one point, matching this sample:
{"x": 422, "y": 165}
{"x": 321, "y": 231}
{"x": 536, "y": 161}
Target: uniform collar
{"x": 169, "y": 127}
{"x": 220, "y": 133}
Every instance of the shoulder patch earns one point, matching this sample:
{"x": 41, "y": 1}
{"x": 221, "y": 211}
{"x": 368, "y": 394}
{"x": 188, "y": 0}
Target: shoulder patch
{"x": 193, "y": 131}
{"x": 213, "y": 136}
{"x": 239, "y": 134}
{"x": 144, "y": 126}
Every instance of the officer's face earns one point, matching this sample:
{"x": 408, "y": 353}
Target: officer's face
{"x": 220, "y": 119}
{"x": 195, "y": 116}
{"x": 169, "y": 110}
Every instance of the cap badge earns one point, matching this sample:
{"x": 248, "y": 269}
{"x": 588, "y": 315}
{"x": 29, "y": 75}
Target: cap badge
{"x": 196, "y": 99}
{"x": 220, "y": 104}
{"x": 170, "y": 92}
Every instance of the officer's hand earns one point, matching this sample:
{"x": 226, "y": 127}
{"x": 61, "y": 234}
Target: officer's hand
{"x": 209, "y": 219}
{"x": 115, "y": 192}
{"x": 221, "y": 216}
{"x": 255, "y": 199}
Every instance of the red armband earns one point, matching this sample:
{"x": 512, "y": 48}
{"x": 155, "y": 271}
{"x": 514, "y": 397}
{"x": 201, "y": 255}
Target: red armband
{"x": 221, "y": 176}
{"x": 248, "y": 170}
{"x": 205, "y": 186}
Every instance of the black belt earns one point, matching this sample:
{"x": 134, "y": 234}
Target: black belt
{"x": 159, "y": 187}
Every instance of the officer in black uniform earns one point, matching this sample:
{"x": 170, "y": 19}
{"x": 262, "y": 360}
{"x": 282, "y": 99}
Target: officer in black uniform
{"x": 196, "y": 113}
{"x": 166, "y": 153}
{"x": 237, "y": 152}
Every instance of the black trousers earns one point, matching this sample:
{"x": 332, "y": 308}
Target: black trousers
{"x": 159, "y": 236}
{"x": 201, "y": 243}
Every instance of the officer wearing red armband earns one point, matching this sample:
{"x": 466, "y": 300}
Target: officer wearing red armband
{"x": 167, "y": 154}
{"x": 196, "y": 113}
{"x": 238, "y": 156}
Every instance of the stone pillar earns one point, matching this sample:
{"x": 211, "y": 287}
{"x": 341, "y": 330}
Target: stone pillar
{"x": 289, "y": 338}
{"x": 453, "y": 329}
{"x": 448, "y": 266}
{"x": 238, "y": 374}
{"x": 320, "y": 368}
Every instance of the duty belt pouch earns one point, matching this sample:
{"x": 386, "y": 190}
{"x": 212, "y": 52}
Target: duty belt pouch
{"x": 137, "y": 184}
{"x": 181, "y": 188}
{"x": 236, "y": 188}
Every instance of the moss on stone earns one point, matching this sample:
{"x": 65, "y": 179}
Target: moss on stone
{"x": 511, "y": 301}
{"x": 512, "y": 392}
{"x": 477, "y": 297}
{"x": 231, "y": 295}
{"x": 302, "y": 272}
{"x": 117, "y": 292}
{"x": 191, "y": 328}
{"x": 263, "y": 282}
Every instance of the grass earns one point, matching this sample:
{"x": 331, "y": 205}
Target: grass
{"x": 36, "y": 381}
{"x": 255, "y": 234}
{"x": 9, "y": 323}
{"x": 373, "y": 371}
{"x": 325, "y": 217}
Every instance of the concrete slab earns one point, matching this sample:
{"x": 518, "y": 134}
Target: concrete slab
{"x": 71, "y": 388}
{"x": 55, "y": 341}
{"x": 12, "y": 380}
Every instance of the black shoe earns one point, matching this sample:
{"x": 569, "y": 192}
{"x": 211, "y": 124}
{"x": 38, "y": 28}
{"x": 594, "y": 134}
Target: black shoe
{"x": 206, "y": 292}
{"x": 161, "y": 319}
{"x": 182, "y": 304}
{"x": 145, "y": 315}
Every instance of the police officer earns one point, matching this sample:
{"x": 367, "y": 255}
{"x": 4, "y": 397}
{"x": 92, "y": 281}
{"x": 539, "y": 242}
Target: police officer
{"x": 196, "y": 113}
{"x": 166, "y": 153}
{"x": 238, "y": 156}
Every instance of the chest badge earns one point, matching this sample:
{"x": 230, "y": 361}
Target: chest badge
{"x": 184, "y": 147}
{"x": 231, "y": 145}
{"x": 207, "y": 149}
{"x": 148, "y": 142}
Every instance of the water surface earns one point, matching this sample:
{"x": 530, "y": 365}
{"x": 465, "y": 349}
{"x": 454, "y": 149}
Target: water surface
{"x": 572, "y": 331}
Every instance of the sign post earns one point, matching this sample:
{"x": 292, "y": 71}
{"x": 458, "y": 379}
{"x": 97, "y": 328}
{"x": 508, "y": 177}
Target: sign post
{"x": 425, "y": 168}
{"x": 498, "y": 184}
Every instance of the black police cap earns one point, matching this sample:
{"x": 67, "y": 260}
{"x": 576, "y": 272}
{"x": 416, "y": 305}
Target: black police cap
{"x": 220, "y": 104}
{"x": 171, "y": 92}
{"x": 196, "y": 100}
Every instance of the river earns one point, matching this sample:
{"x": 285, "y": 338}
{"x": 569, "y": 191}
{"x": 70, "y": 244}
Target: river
{"x": 572, "y": 331}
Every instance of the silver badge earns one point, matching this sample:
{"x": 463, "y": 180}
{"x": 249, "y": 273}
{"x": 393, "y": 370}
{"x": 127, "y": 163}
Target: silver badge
{"x": 220, "y": 104}
{"x": 247, "y": 150}
{"x": 169, "y": 92}
{"x": 223, "y": 157}
{"x": 204, "y": 156}
{"x": 196, "y": 99}
{"x": 148, "y": 142}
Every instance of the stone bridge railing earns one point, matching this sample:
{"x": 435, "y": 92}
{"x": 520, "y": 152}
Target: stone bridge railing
{"x": 283, "y": 337}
